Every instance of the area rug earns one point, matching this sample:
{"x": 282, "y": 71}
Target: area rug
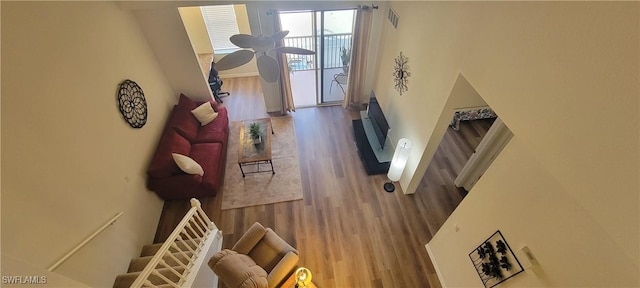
{"x": 263, "y": 188}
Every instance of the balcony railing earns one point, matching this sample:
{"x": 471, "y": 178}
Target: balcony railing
{"x": 333, "y": 44}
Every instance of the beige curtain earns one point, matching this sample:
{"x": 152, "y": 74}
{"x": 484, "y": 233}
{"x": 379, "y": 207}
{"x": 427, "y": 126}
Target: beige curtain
{"x": 285, "y": 81}
{"x": 358, "y": 63}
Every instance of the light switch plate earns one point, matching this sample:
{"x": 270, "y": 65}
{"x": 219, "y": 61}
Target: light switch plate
{"x": 526, "y": 257}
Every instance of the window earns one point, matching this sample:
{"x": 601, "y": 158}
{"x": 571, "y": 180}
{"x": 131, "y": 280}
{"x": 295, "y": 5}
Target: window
{"x": 221, "y": 24}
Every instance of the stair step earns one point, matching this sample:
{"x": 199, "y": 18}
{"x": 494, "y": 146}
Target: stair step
{"x": 138, "y": 264}
{"x": 125, "y": 280}
{"x": 151, "y": 249}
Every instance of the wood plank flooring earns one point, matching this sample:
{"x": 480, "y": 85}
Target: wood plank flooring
{"x": 438, "y": 195}
{"x": 349, "y": 232}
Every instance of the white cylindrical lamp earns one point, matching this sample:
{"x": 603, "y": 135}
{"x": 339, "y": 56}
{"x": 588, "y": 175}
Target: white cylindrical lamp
{"x": 400, "y": 157}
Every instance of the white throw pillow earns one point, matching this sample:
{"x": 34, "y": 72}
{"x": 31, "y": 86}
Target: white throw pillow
{"x": 187, "y": 164}
{"x": 204, "y": 113}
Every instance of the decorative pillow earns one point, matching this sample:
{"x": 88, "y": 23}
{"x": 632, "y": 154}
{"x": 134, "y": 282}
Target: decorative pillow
{"x": 204, "y": 113}
{"x": 214, "y": 104}
{"x": 187, "y": 164}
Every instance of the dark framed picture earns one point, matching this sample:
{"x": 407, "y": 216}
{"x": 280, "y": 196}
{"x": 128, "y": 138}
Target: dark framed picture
{"x": 494, "y": 261}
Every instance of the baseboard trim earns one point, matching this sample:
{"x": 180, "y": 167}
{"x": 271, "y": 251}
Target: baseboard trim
{"x": 236, "y": 75}
{"x": 435, "y": 265}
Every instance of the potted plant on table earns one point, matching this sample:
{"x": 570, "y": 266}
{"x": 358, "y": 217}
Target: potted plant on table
{"x": 254, "y": 130}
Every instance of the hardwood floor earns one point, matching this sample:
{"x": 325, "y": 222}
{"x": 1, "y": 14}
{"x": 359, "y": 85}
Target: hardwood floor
{"x": 245, "y": 101}
{"x": 349, "y": 232}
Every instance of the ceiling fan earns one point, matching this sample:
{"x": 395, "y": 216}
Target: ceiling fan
{"x": 261, "y": 45}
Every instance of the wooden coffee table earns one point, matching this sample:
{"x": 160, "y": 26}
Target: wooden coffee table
{"x": 255, "y": 154}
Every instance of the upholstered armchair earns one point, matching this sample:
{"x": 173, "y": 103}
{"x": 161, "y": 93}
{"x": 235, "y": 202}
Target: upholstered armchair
{"x": 259, "y": 259}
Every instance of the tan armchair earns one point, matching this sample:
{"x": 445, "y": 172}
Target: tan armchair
{"x": 259, "y": 259}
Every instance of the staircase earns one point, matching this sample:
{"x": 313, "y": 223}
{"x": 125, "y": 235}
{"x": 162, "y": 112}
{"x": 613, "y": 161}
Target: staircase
{"x": 181, "y": 260}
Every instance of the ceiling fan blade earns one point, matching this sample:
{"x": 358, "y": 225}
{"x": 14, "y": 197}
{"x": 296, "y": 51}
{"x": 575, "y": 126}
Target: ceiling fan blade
{"x": 279, "y": 35}
{"x": 263, "y": 43}
{"x": 234, "y": 60}
{"x": 243, "y": 40}
{"x": 268, "y": 68}
{"x": 294, "y": 50}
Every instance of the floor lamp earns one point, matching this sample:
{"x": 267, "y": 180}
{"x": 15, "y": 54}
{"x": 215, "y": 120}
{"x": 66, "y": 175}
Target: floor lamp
{"x": 303, "y": 277}
{"x": 398, "y": 162}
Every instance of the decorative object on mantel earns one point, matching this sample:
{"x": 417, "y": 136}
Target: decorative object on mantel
{"x": 399, "y": 160}
{"x": 494, "y": 261}
{"x": 401, "y": 73}
{"x": 254, "y": 130}
{"x": 132, "y": 104}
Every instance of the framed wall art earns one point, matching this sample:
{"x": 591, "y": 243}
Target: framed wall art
{"x": 494, "y": 261}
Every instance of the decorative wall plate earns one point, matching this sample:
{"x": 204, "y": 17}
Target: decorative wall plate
{"x": 401, "y": 73}
{"x": 132, "y": 104}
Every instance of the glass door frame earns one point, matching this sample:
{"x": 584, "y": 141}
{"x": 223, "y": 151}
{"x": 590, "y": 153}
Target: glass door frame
{"x": 319, "y": 46}
{"x": 320, "y": 78}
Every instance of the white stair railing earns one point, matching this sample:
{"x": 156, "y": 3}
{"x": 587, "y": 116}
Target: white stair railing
{"x": 190, "y": 239}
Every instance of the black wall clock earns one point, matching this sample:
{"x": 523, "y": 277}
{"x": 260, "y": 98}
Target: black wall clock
{"x": 401, "y": 73}
{"x": 132, "y": 104}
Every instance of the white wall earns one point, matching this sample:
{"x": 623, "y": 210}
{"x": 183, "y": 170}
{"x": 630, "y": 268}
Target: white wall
{"x": 518, "y": 196}
{"x": 196, "y": 29}
{"x": 564, "y": 78}
{"x": 70, "y": 161}
{"x": 165, "y": 32}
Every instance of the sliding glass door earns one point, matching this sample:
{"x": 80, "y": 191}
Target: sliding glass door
{"x": 334, "y": 30}
{"x": 300, "y": 25}
{"x": 320, "y": 78}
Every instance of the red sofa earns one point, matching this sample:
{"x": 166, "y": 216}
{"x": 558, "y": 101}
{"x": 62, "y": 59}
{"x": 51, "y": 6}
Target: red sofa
{"x": 206, "y": 145}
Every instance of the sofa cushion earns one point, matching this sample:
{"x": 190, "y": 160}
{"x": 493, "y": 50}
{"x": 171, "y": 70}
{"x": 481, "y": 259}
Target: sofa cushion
{"x": 187, "y": 165}
{"x": 182, "y": 120}
{"x": 186, "y": 103}
{"x": 216, "y": 131}
{"x": 211, "y": 157}
{"x": 162, "y": 164}
{"x": 268, "y": 252}
{"x": 184, "y": 123}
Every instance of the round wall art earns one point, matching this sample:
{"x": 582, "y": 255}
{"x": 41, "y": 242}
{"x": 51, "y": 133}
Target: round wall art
{"x": 132, "y": 104}
{"x": 401, "y": 73}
